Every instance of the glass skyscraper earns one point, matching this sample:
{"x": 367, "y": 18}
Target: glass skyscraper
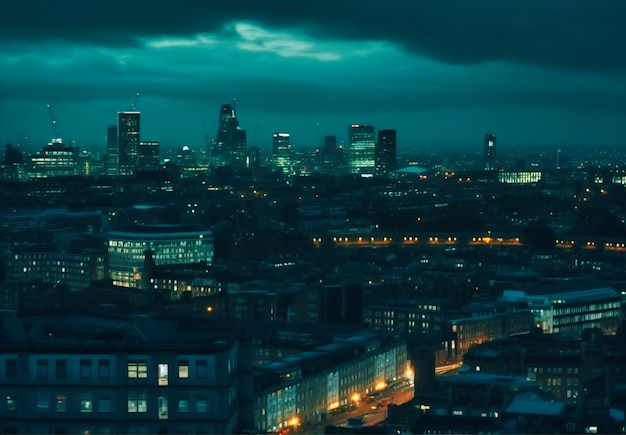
{"x": 281, "y": 152}
{"x": 361, "y": 149}
{"x": 230, "y": 146}
{"x": 128, "y": 141}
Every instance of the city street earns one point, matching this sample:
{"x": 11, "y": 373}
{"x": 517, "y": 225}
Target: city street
{"x": 370, "y": 413}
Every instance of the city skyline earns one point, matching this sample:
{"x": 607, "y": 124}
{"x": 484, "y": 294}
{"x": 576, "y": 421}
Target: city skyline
{"x": 442, "y": 75}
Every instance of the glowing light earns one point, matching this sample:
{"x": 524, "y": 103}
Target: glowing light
{"x": 355, "y": 397}
{"x": 380, "y": 386}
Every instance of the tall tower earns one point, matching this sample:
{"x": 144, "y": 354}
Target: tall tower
{"x": 230, "y": 147}
{"x": 489, "y": 156}
{"x": 281, "y": 152}
{"x": 361, "y": 149}
{"x": 113, "y": 152}
{"x": 385, "y": 155}
{"x": 128, "y": 128}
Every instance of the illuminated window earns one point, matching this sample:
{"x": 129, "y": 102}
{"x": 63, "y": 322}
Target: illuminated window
{"x": 137, "y": 402}
{"x": 202, "y": 405}
{"x": 183, "y": 404}
{"x": 86, "y": 403}
{"x": 10, "y": 402}
{"x": 163, "y": 410}
{"x": 183, "y": 369}
{"x": 43, "y": 404}
{"x": 137, "y": 370}
{"x": 163, "y": 374}
{"x": 61, "y": 403}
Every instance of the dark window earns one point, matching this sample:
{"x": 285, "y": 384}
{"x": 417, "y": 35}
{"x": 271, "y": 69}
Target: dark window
{"x": 201, "y": 369}
{"x": 10, "y": 368}
{"x": 85, "y": 368}
{"x": 42, "y": 369}
{"x": 104, "y": 369}
{"x": 61, "y": 369}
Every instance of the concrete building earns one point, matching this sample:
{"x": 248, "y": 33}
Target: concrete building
{"x": 55, "y": 160}
{"x": 570, "y": 306}
{"x": 306, "y": 387}
{"x": 86, "y": 374}
{"x": 169, "y": 244}
{"x": 74, "y": 268}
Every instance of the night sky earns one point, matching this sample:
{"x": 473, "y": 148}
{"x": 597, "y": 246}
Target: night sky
{"x": 443, "y": 72}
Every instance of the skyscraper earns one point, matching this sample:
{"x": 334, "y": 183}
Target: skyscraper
{"x": 128, "y": 128}
{"x": 330, "y": 145}
{"x": 490, "y": 152}
{"x": 113, "y": 152}
{"x": 361, "y": 149}
{"x": 148, "y": 155}
{"x": 385, "y": 155}
{"x": 230, "y": 146}
{"x": 281, "y": 152}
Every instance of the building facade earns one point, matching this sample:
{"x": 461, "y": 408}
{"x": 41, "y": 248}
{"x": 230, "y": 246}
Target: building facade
{"x": 386, "y": 152}
{"x": 572, "y": 311}
{"x": 361, "y": 149}
{"x": 128, "y": 139}
{"x": 282, "y": 152}
{"x": 307, "y": 387}
{"x": 170, "y": 244}
{"x": 73, "y": 268}
{"x": 55, "y": 160}
{"x": 110, "y": 375}
{"x": 149, "y": 156}
{"x": 230, "y": 146}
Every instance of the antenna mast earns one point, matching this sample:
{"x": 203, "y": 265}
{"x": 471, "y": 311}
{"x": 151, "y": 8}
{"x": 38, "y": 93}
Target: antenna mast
{"x": 133, "y": 107}
{"x": 57, "y": 136}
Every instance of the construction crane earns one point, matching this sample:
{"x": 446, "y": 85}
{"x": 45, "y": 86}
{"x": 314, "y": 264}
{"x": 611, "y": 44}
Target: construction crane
{"x": 57, "y": 136}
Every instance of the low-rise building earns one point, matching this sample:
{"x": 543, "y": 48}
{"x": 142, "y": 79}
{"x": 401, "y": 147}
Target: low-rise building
{"x": 305, "y": 388}
{"x": 571, "y": 306}
{"x": 86, "y": 374}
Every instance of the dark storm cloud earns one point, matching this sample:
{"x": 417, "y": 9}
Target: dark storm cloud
{"x": 571, "y": 34}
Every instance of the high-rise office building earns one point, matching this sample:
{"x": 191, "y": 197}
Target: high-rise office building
{"x": 281, "y": 152}
{"x": 330, "y": 145}
{"x": 128, "y": 129}
{"x": 54, "y": 160}
{"x": 148, "y": 155}
{"x": 361, "y": 149}
{"x": 230, "y": 146}
{"x": 254, "y": 157}
{"x": 113, "y": 152}
{"x": 328, "y": 157}
{"x": 171, "y": 244}
{"x": 385, "y": 155}
{"x": 490, "y": 152}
